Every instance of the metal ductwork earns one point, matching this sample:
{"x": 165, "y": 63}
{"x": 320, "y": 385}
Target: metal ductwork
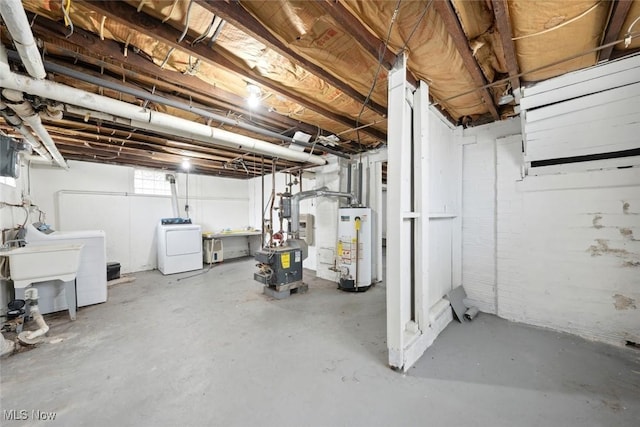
{"x": 320, "y": 192}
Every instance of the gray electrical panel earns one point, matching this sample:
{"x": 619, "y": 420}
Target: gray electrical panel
{"x": 305, "y": 228}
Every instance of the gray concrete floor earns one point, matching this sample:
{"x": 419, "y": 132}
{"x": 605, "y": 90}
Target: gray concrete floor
{"x": 212, "y": 350}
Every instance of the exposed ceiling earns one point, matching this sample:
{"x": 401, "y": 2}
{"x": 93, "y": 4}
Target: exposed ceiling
{"x": 320, "y": 66}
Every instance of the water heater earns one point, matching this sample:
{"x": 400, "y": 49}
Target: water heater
{"x": 354, "y": 253}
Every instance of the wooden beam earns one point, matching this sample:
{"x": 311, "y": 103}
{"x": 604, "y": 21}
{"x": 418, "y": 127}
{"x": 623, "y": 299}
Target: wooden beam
{"x": 89, "y": 132}
{"x": 88, "y": 47}
{"x": 619, "y": 11}
{"x": 370, "y": 42}
{"x": 145, "y": 24}
{"x": 503, "y": 22}
{"x": 234, "y": 13}
{"x": 448, "y": 15}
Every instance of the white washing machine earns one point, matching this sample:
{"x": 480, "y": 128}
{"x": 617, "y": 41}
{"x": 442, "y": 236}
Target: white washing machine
{"x": 91, "y": 281}
{"x": 179, "y": 246}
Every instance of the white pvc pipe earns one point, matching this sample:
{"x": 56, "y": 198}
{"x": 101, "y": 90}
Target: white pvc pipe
{"x": 43, "y": 328}
{"x": 17, "y": 23}
{"x": 36, "y": 124}
{"x": 37, "y": 147}
{"x": 146, "y": 119}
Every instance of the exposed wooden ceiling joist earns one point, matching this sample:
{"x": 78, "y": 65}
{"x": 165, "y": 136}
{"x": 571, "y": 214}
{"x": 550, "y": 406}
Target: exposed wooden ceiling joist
{"x": 234, "y": 13}
{"x": 503, "y": 22}
{"x": 89, "y": 48}
{"x": 448, "y": 15}
{"x": 619, "y": 11}
{"x": 372, "y": 44}
{"x": 145, "y": 24}
{"x": 84, "y": 132}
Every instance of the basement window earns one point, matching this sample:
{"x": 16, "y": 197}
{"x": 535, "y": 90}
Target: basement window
{"x": 151, "y": 182}
{"x": 7, "y": 180}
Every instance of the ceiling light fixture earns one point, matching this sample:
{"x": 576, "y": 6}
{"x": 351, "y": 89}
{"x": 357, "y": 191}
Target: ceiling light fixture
{"x": 186, "y": 164}
{"x": 253, "y": 100}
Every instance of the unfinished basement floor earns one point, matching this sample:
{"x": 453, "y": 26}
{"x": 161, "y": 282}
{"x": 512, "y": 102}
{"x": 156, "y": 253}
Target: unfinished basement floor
{"x": 212, "y": 350}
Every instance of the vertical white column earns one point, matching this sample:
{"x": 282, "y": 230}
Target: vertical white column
{"x": 421, "y": 203}
{"x": 409, "y": 331}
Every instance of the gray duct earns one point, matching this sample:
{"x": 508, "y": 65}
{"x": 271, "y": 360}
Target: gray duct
{"x": 320, "y": 192}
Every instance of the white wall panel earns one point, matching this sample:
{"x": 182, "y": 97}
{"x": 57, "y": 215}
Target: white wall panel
{"x": 97, "y": 196}
{"x": 588, "y": 112}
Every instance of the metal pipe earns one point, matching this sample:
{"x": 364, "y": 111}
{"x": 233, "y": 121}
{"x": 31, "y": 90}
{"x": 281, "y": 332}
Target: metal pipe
{"x": 360, "y": 182}
{"x": 59, "y": 69}
{"x": 320, "y": 192}
{"x": 25, "y": 111}
{"x": 16, "y": 122}
{"x": 150, "y": 120}
{"x": 349, "y": 179}
{"x": 15, "y": 19}
{"x": 174, "y": 195}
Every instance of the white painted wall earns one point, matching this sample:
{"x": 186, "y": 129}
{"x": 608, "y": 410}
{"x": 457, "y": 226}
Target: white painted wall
{"x": 556, "y": 250}
{"x": 99, "y": 196}
{"x": 479, "y": 211}
{"x": 567, "y": 250}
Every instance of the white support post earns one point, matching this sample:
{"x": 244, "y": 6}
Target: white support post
{"x": 421, "y": 203}
{"x": 409, "y": 320}
{"x": 398, "y": 278}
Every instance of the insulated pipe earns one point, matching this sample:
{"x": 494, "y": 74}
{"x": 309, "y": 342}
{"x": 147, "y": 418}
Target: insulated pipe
{"x": 59, "y": 69}
{"x": 147, "y": 119}
{"x": 17, "y": 124}
{"x": 15, "y": 19}
{"x": 24, "y": 110}
{"x": 320, "y": 192}
{"x": 164, "y": 123}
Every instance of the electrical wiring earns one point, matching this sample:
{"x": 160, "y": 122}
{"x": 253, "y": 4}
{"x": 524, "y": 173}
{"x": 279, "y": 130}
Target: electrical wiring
{"x": 377, "y": 73}
{"x": 415, "y": 27}
{"x": 627, "y": 37}
{"x": 66, "y": 6}
{"x": 548, "y": 30}
{"x": 534, "y": 70}
{"x": 186, "y": 22}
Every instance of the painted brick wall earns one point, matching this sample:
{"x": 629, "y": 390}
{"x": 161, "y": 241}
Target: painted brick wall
{"x": 478, "y": 211}
{"x": 558, "y": 251}
{"x": 568, "y": 253}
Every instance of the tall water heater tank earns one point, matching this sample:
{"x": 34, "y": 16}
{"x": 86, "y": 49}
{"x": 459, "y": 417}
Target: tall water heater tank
{"x": 355, "y": 250}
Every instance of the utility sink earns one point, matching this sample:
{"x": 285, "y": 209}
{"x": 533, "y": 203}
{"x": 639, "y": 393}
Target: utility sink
{"x": 38, "y": 263}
